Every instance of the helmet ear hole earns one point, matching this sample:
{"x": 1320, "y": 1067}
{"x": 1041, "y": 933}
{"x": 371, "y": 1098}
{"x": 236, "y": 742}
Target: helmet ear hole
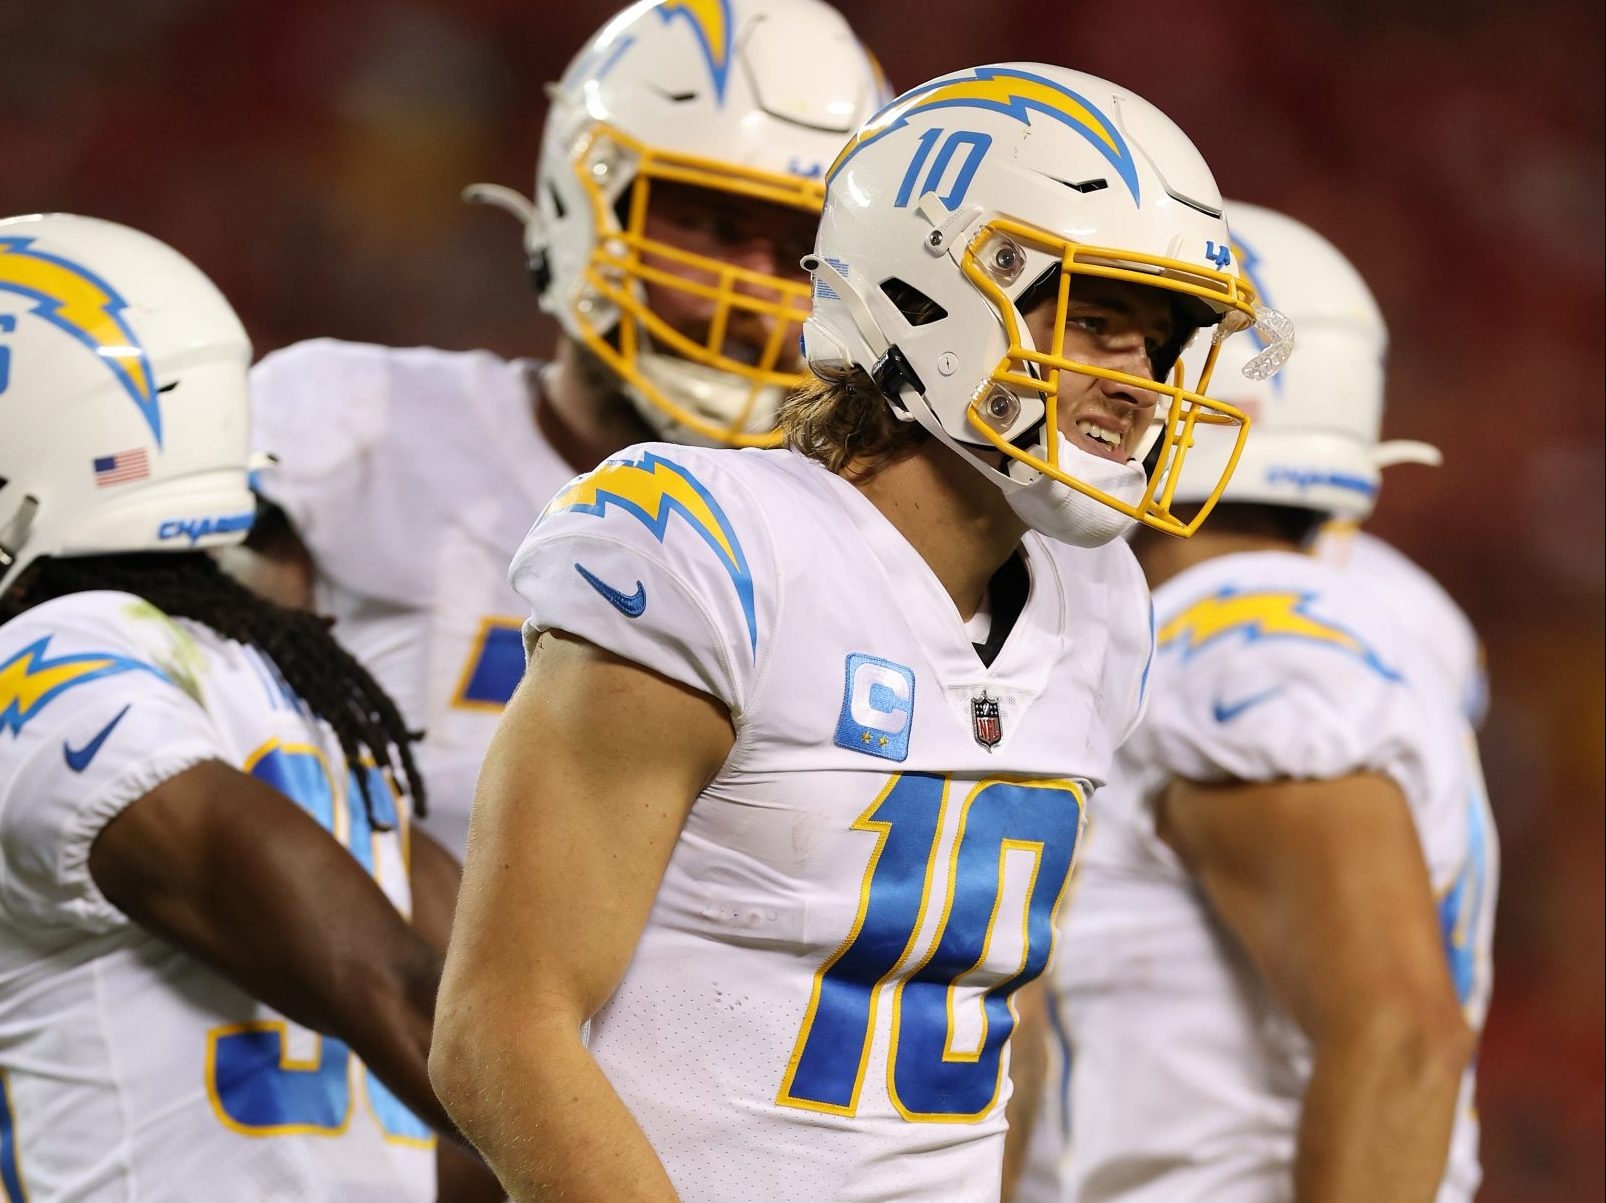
{"x": 540, "y": 272}
{"x": 917, "y": 308}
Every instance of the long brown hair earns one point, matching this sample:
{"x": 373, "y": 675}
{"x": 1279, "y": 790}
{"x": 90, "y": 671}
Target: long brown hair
{"x": 844, "y": 419}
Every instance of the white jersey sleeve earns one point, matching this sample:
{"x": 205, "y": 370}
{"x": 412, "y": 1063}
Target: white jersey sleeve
{"x": 348, "y": 425}
{"x": 654, "y": 557}
{"x": 319, "y": 408}
{"x": 1436, "y": 623}
{"x": 89, "y": 723}
{"x": 1280, "y": 682}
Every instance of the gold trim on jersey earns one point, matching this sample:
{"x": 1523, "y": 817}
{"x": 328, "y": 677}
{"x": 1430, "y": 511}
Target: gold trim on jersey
{"x": 10, "y": 1110}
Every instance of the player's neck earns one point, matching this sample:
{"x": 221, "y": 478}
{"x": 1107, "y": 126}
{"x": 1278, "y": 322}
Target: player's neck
{"x": 958, "y": 522}
{"x": 582, "y": 420}
{"x": 1165, "y": 556}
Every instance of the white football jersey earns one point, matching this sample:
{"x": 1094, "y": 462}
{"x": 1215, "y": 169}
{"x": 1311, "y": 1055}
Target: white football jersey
{"x": 130, "y": 1072}
{"x": 411, "y": 476}
{"x": 1187, "y": 1076}
{"x": 1429, "y": 613}
{"x": 820, "y": 1003}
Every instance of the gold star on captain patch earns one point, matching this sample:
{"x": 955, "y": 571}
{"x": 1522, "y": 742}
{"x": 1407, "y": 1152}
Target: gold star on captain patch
{"x": 865, "y": 737}
{"x": 883, "y": 741}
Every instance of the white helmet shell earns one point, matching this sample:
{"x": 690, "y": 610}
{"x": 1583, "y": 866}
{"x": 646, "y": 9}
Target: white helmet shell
{"x": 748, "y": 97}
{"x": 123, "y": 405}
{"x": 966, "y": 192}
{"x": 1315, "y": 442}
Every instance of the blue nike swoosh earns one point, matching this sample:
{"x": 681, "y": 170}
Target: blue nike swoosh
{"x": 79, "y": 760}
{"x": 1225, "y": 713}
{"x": 631, "y": 605}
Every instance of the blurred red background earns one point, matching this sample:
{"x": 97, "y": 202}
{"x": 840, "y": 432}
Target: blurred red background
{"x": 308, "y": 154}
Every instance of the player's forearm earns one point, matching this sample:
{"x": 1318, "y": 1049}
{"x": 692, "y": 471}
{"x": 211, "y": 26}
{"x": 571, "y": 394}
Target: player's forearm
{"x": 385, "y": 1012}
{"x": 541, "y": 1112}
{"x": 1379, "y": 1110}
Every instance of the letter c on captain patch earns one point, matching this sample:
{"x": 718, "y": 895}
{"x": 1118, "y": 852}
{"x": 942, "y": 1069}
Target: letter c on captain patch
{"x": 878, "y": 707}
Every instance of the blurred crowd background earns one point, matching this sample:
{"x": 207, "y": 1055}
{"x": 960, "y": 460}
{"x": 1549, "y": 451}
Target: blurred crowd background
{"x": 308, "y": 154}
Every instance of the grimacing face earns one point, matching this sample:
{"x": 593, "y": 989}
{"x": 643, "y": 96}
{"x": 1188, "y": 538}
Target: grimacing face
{"x": 1109, "y": 324}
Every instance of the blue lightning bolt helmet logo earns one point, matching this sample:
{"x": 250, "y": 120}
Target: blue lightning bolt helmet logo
{"x": 711, "y": 22}
{"x": 1016, "y": 94}
{"x": 77, "y": 301}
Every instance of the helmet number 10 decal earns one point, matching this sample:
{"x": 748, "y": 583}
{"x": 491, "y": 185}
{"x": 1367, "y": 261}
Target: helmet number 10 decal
{"x": 967, "y": 147}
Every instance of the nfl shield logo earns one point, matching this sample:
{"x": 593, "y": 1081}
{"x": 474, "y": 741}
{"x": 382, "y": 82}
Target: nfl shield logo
{"x": 984, "y": 721}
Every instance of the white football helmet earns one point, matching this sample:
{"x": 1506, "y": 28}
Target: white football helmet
{"x": 748, "y": 97}
{"x": 123, "y": 419}
{"x": 976, "y": 188}
{"x": 1315, "y": 443}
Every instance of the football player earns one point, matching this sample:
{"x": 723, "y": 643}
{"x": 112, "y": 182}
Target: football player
{"x": 1276, "y": 961}
{"x": 787, "y": 800}
{"x": 208, "y": 986}
{"x": 678, "y": 185}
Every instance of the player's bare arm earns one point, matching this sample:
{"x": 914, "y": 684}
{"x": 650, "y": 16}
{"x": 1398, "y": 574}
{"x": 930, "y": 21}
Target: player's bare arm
{"x": 460, "y": 1175}
{"x": 574, "y": 821}
{"x": 436, "y": 878}
{"x": 1325, "y": 885}
{"x": 239, "y": 876}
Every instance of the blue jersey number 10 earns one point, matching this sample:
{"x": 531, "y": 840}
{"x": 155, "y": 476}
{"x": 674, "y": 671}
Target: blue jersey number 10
{"x": 935, "y": 1072}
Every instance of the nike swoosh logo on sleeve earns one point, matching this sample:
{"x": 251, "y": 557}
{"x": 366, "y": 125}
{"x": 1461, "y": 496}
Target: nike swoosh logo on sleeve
{"x": 1226, "y": 712}
{"x": 78, "y": 759}
{"x": 631, "y": 605}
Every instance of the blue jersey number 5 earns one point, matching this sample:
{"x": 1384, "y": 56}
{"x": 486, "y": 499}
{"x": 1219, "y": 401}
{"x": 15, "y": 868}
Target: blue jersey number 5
{"x": 257, "y": 1088}
{"x": 937, "y": 1073}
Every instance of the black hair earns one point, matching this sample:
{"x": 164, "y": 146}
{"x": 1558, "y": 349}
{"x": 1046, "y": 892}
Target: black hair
{"x": 332, "y": 684}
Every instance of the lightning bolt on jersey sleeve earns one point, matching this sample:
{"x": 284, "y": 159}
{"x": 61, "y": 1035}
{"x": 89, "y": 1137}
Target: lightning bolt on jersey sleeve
{"x": 658, "y": 557}
{"x": 90, "y": 721}
{"x": 1280, "y": 679}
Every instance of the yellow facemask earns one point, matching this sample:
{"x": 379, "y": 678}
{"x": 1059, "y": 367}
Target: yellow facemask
{"x": 624, "y": 263}
{"x": 994, "y": 253}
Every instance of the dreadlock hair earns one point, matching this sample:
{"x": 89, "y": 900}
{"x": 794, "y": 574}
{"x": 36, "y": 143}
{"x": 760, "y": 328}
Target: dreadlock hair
{"x": 322, "y": 674}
